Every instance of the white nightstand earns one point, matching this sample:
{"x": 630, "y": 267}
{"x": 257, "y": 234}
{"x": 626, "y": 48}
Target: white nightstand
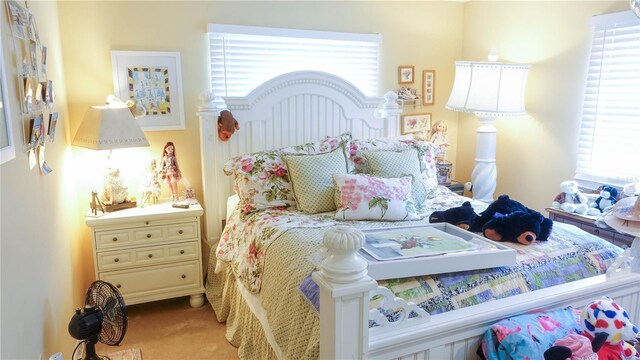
{"x": 150, "y": 253}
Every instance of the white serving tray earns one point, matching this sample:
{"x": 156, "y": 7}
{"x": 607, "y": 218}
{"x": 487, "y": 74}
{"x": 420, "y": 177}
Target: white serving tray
{"x": 490, "y": 254}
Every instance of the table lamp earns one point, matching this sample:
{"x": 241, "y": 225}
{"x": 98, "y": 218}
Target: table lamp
{"x": 487, "y": 89}
{"x": 109, "y": 127}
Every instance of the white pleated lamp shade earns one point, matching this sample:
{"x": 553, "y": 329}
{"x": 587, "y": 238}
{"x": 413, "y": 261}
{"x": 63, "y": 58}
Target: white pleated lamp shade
{"x": 109, "y": 127}
{"x": 489, "y": 88}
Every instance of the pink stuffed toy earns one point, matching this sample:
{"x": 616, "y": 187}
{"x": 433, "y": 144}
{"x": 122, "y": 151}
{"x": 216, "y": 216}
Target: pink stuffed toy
{"x": 574, "y": 347}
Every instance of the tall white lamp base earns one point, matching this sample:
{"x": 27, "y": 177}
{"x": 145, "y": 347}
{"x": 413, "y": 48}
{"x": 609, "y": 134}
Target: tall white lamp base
{"x": 483, "y": 177}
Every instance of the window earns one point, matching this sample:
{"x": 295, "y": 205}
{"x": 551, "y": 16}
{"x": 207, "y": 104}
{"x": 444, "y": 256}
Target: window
{"x": 243, "y": 57}
{"x": 609, "y": 141}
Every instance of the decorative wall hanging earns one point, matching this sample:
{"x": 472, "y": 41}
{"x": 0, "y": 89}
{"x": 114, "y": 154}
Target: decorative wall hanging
{"x": 415, "y": 123}
{"x": 406, "y": 74}
{"x": 36, "y": 93}
{"x": 428, "y": 86}
{"x": 154, "y": 81}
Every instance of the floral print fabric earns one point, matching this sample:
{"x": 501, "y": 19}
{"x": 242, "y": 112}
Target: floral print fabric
{"x": 261, "y": 179}
{"x": 363, "y": 197}
{"x": 247, "y": 236}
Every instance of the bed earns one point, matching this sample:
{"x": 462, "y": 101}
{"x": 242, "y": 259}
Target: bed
{"x": 264, "y": 257}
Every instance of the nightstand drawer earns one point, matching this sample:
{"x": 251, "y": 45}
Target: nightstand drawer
{"x": 153, "y": 280}
{"x": 183, "y": 231}
{"x": 122, "y": 259}
{"x": 147, "y": 235}
{"x": 112, "y": 239}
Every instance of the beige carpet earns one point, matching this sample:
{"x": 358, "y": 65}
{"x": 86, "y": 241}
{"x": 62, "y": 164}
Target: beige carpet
{"x": 127, "y": 354}
{"x": 173, "y": 330}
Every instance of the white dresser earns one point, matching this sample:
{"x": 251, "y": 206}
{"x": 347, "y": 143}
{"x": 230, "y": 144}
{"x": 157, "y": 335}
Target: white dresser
{"x": 150, "y": 253}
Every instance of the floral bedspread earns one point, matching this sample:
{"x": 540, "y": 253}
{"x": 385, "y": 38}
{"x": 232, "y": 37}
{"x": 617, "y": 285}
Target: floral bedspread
{"x": 246, "y": 237}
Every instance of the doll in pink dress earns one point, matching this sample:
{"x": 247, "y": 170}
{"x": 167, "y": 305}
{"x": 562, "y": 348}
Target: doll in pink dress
{"x": 169, "y": 169}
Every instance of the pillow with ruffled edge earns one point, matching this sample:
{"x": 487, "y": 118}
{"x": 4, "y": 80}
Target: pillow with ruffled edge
{"x": 311, "y": 179}
{"x": 261, "y": 179}
{"x": 363, "y": 197}
{"x": 395, "y": 164}
{"x": 427, "y": 152}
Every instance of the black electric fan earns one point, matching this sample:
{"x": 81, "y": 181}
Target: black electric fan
{"x": 103, "y": 318}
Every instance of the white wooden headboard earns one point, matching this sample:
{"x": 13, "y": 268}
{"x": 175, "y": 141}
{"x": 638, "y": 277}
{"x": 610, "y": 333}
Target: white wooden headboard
{"x": 290, "y": 109}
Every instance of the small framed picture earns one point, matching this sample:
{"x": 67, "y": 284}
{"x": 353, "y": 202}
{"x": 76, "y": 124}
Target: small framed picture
{"x": 415, "y": 123}
{"x": 428, "y": 86}
{"x": 406, "y": 74}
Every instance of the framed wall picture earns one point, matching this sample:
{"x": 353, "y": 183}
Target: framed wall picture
{"x": 153, "y": 80}
{"x": 415, "y": 123}
{"x": 406, "y": 74}
{"x": 428, "y": 87}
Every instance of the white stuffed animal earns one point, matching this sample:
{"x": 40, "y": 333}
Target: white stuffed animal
{"x": 572, "y": 201}
{"x": 114, "y": 191}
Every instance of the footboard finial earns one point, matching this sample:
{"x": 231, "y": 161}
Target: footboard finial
{"x": 344, "y": 296}
{"x": 343, "y": 266}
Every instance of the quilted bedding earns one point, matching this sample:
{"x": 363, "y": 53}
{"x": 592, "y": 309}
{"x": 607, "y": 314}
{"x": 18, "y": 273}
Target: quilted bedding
{"x": 267, "y": 253}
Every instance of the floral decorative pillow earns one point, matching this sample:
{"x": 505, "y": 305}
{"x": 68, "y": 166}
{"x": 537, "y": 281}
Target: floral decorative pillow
{"x": 363, "y": 197}
{"x": 262, "y": 179}
{"x": 427, "y": 152}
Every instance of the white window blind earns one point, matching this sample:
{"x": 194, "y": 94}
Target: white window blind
{"x": 609, "y": 141}
{"x": 243, "y": 57}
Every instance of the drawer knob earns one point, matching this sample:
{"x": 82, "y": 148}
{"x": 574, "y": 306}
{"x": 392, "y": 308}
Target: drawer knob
{"x": 181, "y": 251}
{"x": 180, "y": 232}
{"x": 148, "y": 236}
{"x": 115, "y": 238}
{"x": 146, "y": 223}
{"x": 116, "y": 259}
{"x": 184, "y": 276}
{"x": 118, "y": 286}
{"x": 150, "y": 256}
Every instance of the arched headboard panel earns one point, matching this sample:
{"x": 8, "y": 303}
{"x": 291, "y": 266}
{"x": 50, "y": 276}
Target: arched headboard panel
{"x": 290, "y": 109}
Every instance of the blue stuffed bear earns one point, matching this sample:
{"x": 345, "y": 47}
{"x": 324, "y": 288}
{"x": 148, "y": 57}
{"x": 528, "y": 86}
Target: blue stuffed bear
{"x": 608, "y": 195}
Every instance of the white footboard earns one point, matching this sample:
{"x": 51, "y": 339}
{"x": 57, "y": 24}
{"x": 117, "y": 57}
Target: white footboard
{"x": 345, "y": 290}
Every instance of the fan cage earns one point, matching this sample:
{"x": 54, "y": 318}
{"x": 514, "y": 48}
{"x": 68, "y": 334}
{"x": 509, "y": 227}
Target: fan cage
{"x": 108, "y": 299}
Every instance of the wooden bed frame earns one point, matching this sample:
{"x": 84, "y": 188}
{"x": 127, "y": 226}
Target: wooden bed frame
{"x": 300, "y": 107}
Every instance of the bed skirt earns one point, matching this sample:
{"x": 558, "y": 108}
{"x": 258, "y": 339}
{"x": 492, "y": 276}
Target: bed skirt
{"x": 244, "y": 330}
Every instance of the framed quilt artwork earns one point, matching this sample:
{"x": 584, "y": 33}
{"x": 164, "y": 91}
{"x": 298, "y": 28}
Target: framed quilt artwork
{"x": 154, "y": 81}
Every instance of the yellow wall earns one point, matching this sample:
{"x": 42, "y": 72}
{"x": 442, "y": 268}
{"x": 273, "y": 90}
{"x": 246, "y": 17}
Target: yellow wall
{"x": 40, "y": 223}
{"x": 535, "y": 152}
{"x": 46, "y": 259}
